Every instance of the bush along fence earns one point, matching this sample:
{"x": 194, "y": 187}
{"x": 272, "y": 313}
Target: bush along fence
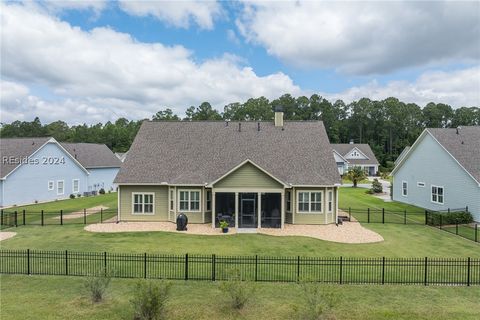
{"x": 456, "y": 221}
{"x": 14, "y": 218}
{"x": 340, "y": 270}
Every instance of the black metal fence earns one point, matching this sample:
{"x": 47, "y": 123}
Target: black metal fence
{"x": 419, "y": 271}
{"x": 13, "y": 218}
{"x": 466, "y": 230}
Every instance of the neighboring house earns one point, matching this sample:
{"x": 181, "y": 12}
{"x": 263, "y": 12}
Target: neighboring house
{"x": 441, "y": 170}
{"x": 349, "y": 155}
{"x": 121, "y": 155}
{"x": 42, "y": 169}
{"x": 99, "y": 160}
{"x": 261, "y": 174}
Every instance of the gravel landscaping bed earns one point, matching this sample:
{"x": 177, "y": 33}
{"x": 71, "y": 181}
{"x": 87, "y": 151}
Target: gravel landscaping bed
{"x": 348, "y": 232}
{"x": 7, "y": 235}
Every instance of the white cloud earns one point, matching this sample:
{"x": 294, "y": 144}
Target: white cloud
{"x": 177, "y": 13}
{"x": 364, "y": 37}
{"x": 60, "y": 5}
{"x": 457, "y": 88}
{"x": 112, "y": 72}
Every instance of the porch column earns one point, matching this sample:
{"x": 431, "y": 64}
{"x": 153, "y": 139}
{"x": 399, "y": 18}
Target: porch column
{"x": 236, "y": 209}
{"x": 213, "y": 208}
{"x": 259, "y": 209}
{"x": 324, "y": 204}
{"x": 282, "y": 211}
{"x": 336, "y": 204}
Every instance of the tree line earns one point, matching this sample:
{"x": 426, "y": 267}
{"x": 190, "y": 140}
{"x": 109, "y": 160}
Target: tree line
{"x": 388, "y": 125}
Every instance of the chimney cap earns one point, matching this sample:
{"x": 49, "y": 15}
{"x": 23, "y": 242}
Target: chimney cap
{"x": 278, "y": 108}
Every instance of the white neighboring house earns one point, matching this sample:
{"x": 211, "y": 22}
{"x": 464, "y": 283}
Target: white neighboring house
{"x": 348, "y": 155}
{"x": 441, "y": 170}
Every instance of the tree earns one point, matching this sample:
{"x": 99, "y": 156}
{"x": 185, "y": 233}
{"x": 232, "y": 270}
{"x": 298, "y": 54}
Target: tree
{"x": 166, "y": 114}
{"x": 206, "y": 112}
{"x": 355, "y": 175}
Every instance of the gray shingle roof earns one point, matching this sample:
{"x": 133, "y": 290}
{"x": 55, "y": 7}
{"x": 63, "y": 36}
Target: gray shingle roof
{"x": 345, "y": 148}
{"x": 464, "y": 146}
{"x": 92, "y": 155}
{"x": 17, "y": 148}
{"x": 201, "y": 152}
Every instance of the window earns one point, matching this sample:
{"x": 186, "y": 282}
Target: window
{"x": 172, "y": 200}
{"x": 189, "y": 200}
{"x": 310, "y": 202}
{"x": 437, "y": 194}
{"x": 421, "y": 184}
{"x": 51, "y": 185}
{"x": 209, "y": 200}
{"x": 143, "y": 203}
{"x": 75, "y": 186}
{"x": 404, "y": 188}
{"x": 288, "y": 196}
{"x": 60, "y": 187}
{"x": 330, "y": 201}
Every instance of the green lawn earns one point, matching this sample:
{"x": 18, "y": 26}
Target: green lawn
{"x": 464, "y": 231}
{"x": 53, "y": 297}
{"x": 364, "y": 181}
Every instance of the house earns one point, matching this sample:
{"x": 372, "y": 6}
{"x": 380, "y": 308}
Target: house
{"x": 441, "y": 170}
{"x": 348, "y": 155}
{"x": 121, "y": 155}
{"x": 42, "y": 169}
{"x": 401, "y": 155}
{"x": 257, "y": 174}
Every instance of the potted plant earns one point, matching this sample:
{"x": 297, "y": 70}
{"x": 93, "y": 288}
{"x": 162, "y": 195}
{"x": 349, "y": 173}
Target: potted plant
{"x": 224, "y": 226}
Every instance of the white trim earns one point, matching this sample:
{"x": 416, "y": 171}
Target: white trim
{"x": 210, "y": 185}
{"x": 297, "y": 203}
{"x": 340, "y": 155}
{"x": 53, "y": 185}
{"x": 316, "y": 185}
{"x": 406, "y": 189}
{"x": 360, "y": 151}
{"x": 328, "y": 201}
{"x": 143, "y": 213}
{"x": 189, "y": 200}
{"x": 51, "y": 140}
{"x": 73, "y": 186}
{"x": 118, "y": 204}
{"x": 160, "y": 184}
{"x": 443, "y": 194}
{"x": 417, "y": 142}
{"x": 248, "y": 190}
{"x": 63, "y": 187}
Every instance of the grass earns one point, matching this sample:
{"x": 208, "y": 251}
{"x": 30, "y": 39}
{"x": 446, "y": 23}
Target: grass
{"x": 364, "y": 181}
{"x": 41, "y": 297}
{"x": 464, "y": 231}
{"x": 357, "y": 198}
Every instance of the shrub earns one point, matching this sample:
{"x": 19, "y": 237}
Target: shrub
{"x": 96, "y": 284}
{"x": 460, "y": 217}
{"x": 79, "y": 195}
{"x": 237, "y": 291}
{"x": 149, "y": 299}
{"x": 72, "y": 196}
{"x": 376, "y": 186}
{"x": 101, "y": 191}
{"x": 318, "y": 302}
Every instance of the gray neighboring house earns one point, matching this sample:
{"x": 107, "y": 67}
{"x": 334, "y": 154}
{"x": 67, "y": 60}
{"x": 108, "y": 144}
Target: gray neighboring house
{"x": 259, "y": 174}
{"x": 348, "y": 155}
{"x": 441, "y": 170}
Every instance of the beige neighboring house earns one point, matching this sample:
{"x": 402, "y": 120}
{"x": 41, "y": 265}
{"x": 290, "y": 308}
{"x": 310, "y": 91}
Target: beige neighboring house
{"x": 259, "y": 174}
{"x": 349, "y": 155}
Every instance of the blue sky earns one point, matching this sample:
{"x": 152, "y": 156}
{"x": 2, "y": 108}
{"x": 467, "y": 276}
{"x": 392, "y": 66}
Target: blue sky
{"x": 90, "y": 61}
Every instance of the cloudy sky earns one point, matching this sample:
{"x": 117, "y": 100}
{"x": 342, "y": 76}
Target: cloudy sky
{"x": 94, "y": 61}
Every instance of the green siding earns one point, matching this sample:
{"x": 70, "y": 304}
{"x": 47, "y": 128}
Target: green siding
{"x": 313, "y": 218}
{"x": 161, "y": 203}
{"x": 310, "y": 218}
{"x": 248, "y": 176}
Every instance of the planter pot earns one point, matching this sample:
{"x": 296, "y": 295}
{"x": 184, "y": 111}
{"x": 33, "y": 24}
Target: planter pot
{"x": 224, "y": 230}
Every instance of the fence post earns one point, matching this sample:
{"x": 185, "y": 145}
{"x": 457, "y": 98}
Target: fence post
{"x": 145, "y": 265}
{"x": 456, "y": 228}
{"x": 213, "y": 267}
{"x": 186, "y": 266}
{"x": 383, "y": 215}
{"x": 66, "y": 262}
{"x": 405, "y": 216}
{"x": 1, "y": 217}
{"x": 42, "y": 219}
{"x": 426, "y": 272}
{"x": 466, "y": 208}
{"x": 61, "y": 217}
{"x": 383, "y": 270}
{"x": 476, "y": 232}
{"x": 28, "y": 261}
{"x": 101, "y": 215}
{"x": 105, "y": 262}
{"x": 341, "y": 269}
{"x": 426, "y": 217}
{"x": 468, "y": 272}
{"x": 23, "y": 216}
{"x": 16, "y": 217}
{"x": 298, "y": 268}
{"x": 441, "y": 222}
{"x": 349, "y": 214}
{"x": 448, "y": 210}
{"x": 368, "y": 215}
{"x": 256, "y": 267}
{"x": 84, "y": 216}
